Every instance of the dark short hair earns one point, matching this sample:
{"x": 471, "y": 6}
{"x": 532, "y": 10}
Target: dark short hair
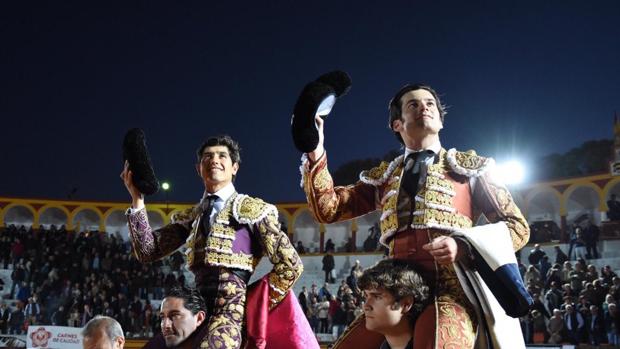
{"x": 192, "y": 299}
{"x": 396, "y": 108}
{"x": 400, "y": 279}
{"x": 225, "y": 140}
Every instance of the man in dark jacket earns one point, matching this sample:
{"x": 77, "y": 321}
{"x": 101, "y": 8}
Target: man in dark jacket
{"x": 596, "y": 326}
{"x": 328, "y": 266}
{"x": 5, "y": 312}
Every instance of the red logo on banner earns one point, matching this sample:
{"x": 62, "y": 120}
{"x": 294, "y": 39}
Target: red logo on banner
{"x": 40, "y": 337}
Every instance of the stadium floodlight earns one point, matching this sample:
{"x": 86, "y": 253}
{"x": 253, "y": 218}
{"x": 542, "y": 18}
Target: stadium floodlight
{"x": 510, "y": 172}
{"x": 166, "y": 186}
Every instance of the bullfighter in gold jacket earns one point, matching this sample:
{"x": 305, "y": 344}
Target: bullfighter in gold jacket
{"x": 225, "y": 236}
{"x": 424, "y": 196}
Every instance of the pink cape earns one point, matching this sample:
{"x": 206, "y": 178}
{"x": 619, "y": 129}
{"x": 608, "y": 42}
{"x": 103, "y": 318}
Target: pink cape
{"x": 286, "y": 326}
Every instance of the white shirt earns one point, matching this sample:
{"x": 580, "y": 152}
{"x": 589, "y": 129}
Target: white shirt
{"x": 435, "y": 148}
{"x": 222, "y": 196}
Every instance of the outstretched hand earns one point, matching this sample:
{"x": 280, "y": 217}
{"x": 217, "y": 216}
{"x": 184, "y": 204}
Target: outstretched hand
{"x": 137, "y": 197}
{"x": 319, "y": 150}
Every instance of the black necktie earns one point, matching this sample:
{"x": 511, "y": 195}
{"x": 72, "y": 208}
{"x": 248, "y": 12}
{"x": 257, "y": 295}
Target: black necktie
{"x": 206, "y": 215}
{"x": 411, "y": 173}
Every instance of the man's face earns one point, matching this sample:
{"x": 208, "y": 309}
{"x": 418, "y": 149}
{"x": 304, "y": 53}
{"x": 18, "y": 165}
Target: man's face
{"x": 420, "y": 116}
{"x": 100, "y": 340}
{"x": 382, "y": 312}
{"x": 178, "y": 322}
{"x": 216, "y": 167}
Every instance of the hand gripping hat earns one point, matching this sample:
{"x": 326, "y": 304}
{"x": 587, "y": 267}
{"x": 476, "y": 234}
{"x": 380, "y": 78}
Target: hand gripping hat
{"x": 317, "y": 98}
{"x": 136, "y": 154}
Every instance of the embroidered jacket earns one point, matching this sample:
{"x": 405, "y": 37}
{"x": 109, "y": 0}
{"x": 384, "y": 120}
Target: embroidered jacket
{"x": 378, "y": 189}
{"x": 243, "y": 231}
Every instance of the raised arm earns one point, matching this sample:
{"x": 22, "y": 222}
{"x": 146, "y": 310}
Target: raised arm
{"x": 148, "y": 244}
{"x": 327, "y": 203}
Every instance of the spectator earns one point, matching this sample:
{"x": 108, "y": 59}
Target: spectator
{"x": 339, "y": 319}
{"x": 567, "y": 268}
{"x": 330, "y": 246}
{"x": 300, "y": 247}
{"x": 573, "y": 237}
{"x": 576, "y": 278}
{"x": 17, "y": 251}
{"x": 303, "y": 299}
{"x": 357, "y": 269}
{"x": 539, "y": 328}
{"x": 328, "y": 266}
{"x": 17, "y": 319}
{"x": 596, "y": 327}
{"x": 545, "y": 266}
{"x": 613, "y": 213}
{"x": 312, "y": 314}
{"x": 352, "y": 283}
{"x": 574, "y": 324}
{"x": 554, "y": 275}
{"x": 612, "y": 324}
{"x": 532, "y": 275}
{"x": 590, "y": 235}
{"x": 324, "y": 292}
{"x": 560, "y": 256}
{"x": 322, "y": 313}
{"x": 591, "y": 273}
{"x": 553, "y": 297}
{"x": 32, "y": 311}
{"x": 87, "y": 315}
{"x": 5, "y": 313}
{"x": 535, "y": 255}
{"x": 580, "y": 244}
{"x": 17, "y": 276}
{"x": 24, "y": 292}
{"x": 538, "y": 305}
{"x": 103, "y": 332}
{"x": 59, "y": 317}
{"x": 371, "y": 242}
{"x": 555, "y": 327}
{"x": 314, "y": 291}
{"x": 74, "y": 318}
{"x": 607, "y": 275}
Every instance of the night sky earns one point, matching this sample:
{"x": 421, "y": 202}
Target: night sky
{"x": 522, "y": 79}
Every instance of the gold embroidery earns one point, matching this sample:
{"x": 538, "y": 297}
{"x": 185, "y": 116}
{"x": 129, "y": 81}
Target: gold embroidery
{"x": 251, "y": 209}
{"x": 375, "y": 173}
{"x": 454, "y": 327}
{"x": 469, "y": 160}
{"x": 322, "y": 180}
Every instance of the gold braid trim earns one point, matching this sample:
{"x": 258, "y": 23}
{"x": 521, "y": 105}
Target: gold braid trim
{"x": 378, "y": 175}
{"x": 433, "y": 206}
{"x": 389, "y": 218}
{"x": 468, "y": 163}
{"x": 249, "y": 210}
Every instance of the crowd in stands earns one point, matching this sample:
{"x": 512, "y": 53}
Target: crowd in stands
{"x": 573, "y": 301}
{"x": 370, "y": 244}
{"x": 65, "y": 278}
{"x": 331, "y": 311}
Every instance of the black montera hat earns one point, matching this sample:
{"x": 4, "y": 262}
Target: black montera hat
{"x": 137, "y": 155}
{"x": 317, "y": 98}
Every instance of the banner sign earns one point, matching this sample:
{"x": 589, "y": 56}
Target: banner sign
{"x": 54, "y": 337}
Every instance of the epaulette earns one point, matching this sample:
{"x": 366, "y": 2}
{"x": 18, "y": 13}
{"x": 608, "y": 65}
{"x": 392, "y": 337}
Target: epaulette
{"x": 249, "y": 210}
{"x": 378, "y": 175}
{"x": 186, "y": 215}
{"x": 468, "y": 163}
